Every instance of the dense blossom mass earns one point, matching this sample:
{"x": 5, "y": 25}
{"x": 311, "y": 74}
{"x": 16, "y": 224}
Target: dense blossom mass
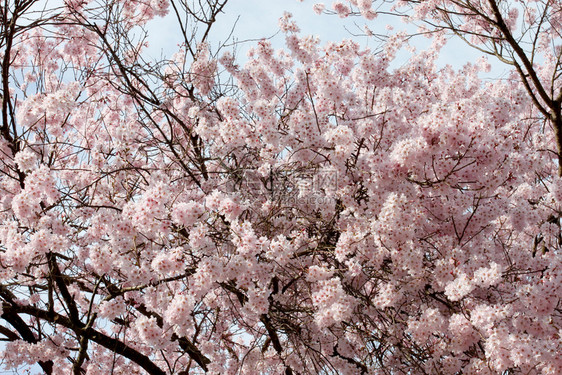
{"x": 320, "y": 209}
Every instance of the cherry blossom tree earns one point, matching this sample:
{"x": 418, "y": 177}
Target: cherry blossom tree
{"x": 313, "y": 211}
{"x": 522, "y": 34}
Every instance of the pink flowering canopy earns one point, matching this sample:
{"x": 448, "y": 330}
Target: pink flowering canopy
{"x": 314, "y": 211}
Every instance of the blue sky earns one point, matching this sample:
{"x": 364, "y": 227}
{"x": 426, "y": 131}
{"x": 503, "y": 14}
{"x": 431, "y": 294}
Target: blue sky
{"x": 258, "y": 19}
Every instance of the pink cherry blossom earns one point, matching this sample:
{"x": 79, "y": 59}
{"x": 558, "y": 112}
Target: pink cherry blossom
{"x": 317, "y": 207}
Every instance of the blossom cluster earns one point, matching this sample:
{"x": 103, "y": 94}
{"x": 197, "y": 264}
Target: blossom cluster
{"x": 337, "y": 213}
